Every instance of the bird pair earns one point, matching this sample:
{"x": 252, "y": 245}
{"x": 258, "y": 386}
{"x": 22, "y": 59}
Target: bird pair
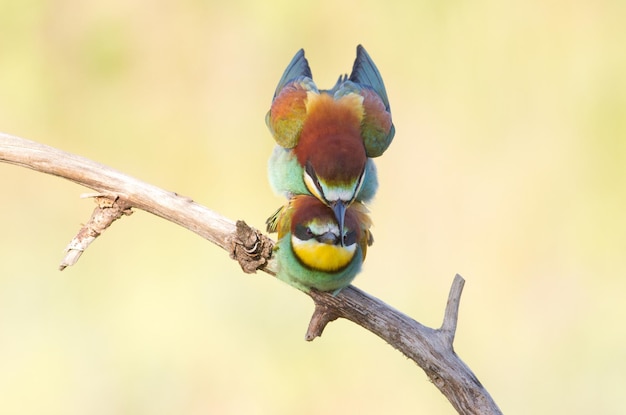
{"x": 323, "y": 165}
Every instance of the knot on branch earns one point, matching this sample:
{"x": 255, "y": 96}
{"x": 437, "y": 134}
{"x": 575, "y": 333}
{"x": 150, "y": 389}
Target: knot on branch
{"x": 109, "y": 209}
{"x": 250, "y": 248}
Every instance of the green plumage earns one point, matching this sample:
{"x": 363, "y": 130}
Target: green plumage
{"x": 286, "y": 176}
{"x": 308, "y": 233}
{"x": 291, "y": 270}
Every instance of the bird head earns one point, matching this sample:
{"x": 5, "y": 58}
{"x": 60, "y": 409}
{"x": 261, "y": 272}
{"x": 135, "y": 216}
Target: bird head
{"x": 332, "y": 152}
{"x": 316, "y": 238}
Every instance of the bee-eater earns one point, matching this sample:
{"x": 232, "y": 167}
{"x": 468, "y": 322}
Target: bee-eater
{"x": 326, "y": 138}
{"x": 311, "y": 251}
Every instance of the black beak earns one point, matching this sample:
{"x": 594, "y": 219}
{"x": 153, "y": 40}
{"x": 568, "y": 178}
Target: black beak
{"x": 339, "y": 208}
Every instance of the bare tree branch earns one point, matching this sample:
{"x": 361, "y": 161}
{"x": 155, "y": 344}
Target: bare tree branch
{"x": 431, "y": 349}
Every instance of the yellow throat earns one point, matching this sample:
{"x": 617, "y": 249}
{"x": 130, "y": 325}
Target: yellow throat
{"x": 321, "y": 256}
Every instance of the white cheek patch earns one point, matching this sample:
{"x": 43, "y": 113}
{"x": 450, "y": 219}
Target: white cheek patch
{"x": 322, "y": 228}
{"x": 312, "y": 244}
{"x": 346, "y": 195}
{"x": 334, "y": 194}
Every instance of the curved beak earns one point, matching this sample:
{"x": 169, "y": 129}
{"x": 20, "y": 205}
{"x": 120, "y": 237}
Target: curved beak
{"x": 339, "y": 209}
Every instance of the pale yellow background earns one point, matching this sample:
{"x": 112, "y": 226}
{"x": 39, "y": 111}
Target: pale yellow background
{"x": 508, "y": 167}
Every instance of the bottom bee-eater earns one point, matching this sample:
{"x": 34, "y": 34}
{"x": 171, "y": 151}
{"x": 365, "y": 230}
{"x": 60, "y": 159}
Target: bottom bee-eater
{"x": 311, "y": 252}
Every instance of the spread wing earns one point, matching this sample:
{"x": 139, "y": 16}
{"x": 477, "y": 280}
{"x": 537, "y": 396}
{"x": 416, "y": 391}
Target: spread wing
{"x": 289, "y": 106}
{"x": 377, "y": 128}
{"x": 288, "y": 111}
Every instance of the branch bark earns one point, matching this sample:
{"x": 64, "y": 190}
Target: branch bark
{"x": 431, "y": 349}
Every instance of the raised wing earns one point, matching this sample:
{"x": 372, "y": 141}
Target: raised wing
{"x": 377, "y": 127}
{"x": 288, "y": 111}
{"x": 365, "y": 73}
{"x": 298, "y": 67}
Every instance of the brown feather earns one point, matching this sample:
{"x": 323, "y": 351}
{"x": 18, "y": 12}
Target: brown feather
{"x": 331, "y": 139}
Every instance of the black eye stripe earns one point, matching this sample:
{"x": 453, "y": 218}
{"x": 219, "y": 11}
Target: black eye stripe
{"x": 308, "y": 168}
{"x": 359, "y": 183}
{"x": 349, "y": 238}
{"x": 303, "y": 233}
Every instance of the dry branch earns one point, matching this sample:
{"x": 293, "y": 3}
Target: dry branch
{"x": 431, "y": 349}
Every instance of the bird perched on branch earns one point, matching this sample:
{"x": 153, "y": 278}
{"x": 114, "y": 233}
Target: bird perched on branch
{"x": 327, "y": 138}
{"x": 312, "y": 251}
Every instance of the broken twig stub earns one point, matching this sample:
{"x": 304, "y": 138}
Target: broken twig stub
{"x": 109, "y": 209}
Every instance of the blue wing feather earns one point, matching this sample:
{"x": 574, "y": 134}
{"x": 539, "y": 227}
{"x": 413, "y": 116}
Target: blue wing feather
{"x": 297, "y": 68}
{"x": 365, "y": 73}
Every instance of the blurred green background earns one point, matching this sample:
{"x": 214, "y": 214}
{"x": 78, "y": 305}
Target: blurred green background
{"x": 508, "y": 167}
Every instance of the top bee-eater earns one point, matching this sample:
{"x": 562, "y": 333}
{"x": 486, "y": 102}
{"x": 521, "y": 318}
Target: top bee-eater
{"x": 326, "y": 138}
